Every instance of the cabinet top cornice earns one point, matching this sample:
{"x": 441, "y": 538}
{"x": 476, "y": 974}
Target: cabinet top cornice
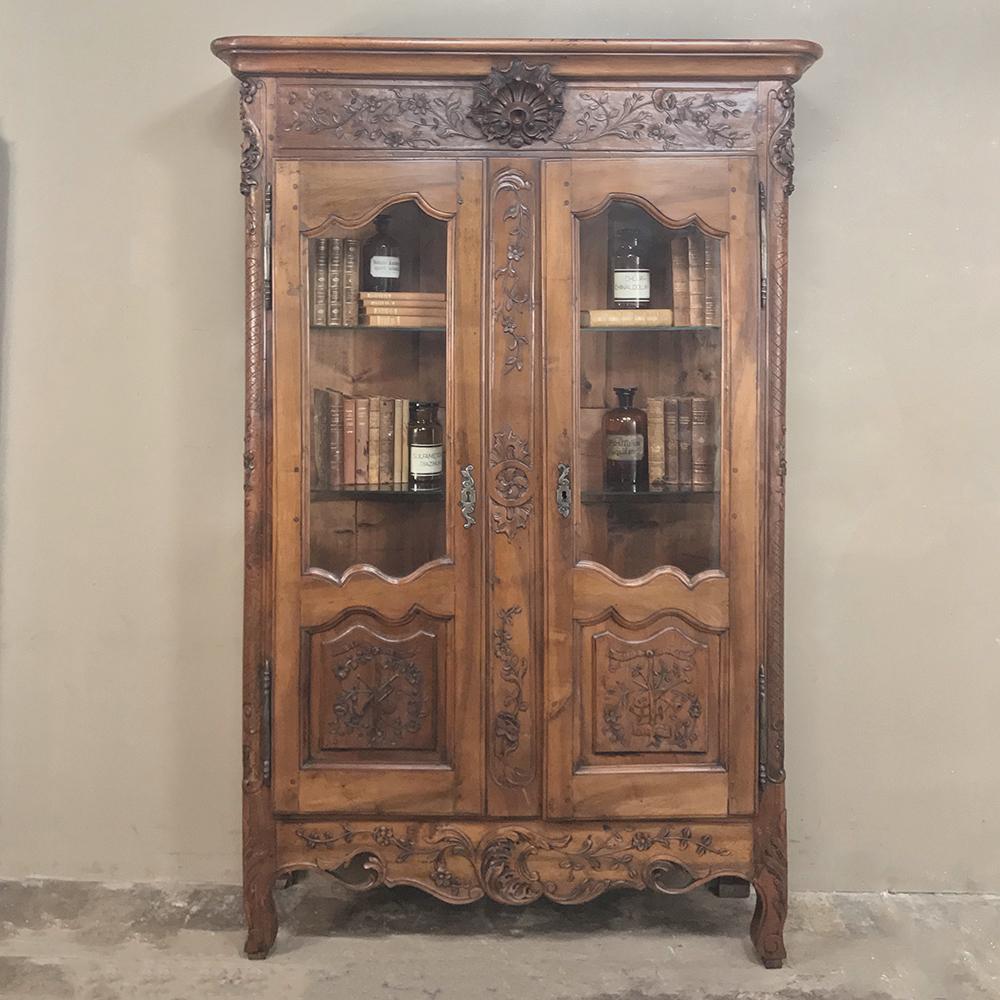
{"x": 571, "y": 58}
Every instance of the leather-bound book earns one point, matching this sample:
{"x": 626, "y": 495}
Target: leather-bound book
{"x": 352, "y": 281}
{"x": 335, "y": 477}
{"x": 386, "y": 438}
{"x": 406, "y": 442}
{"x": 657, "y": 454}
{"x": 320, "y": 268}
{"x": 696, "y": 278}
{"x": 702, "y": 445}
{"x": 350, "y": 441}
{"x": 684, "y": 469}
{"x": 679, "y": 280}
{"x": 713, "y": 285}
{"x": 319, "y": 452}
{"x": 671, "y": 442}
{"x": 398, "y": 440}
{"x": 335, "y": 283}
{"x": 374, "y": 447}
{"x": 361, "y": 441}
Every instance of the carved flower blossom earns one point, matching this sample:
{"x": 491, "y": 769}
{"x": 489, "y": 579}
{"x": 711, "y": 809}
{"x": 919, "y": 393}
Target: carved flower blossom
{"x": 641, "y": 841}
{"x": 515, "y": 252}
{"x": 512, "y": 483}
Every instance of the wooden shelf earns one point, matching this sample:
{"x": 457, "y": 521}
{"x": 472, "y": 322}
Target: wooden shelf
{"x": 395, "y": 491}
{"x": 649, "y": 329}
{"x": 649, "y": 496}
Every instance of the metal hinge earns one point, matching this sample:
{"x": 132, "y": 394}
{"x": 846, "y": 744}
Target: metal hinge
{"x": 265, "y": 721}
{"x": 267, "y": 246}
{"x": 762, "y": 726}
{"x": 762, "y": 236}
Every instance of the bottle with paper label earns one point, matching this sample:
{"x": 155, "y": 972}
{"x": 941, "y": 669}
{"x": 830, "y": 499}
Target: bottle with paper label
{"x": 381, "y": 258}
{"x": 426, "y": 444}
{"x": 626, "y": 450}
{"x": 630, "y": 271}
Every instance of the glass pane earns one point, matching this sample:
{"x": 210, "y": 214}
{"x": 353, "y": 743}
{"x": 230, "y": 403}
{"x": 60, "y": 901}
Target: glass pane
{"x": 376, "y": 383}
{"x": 650, "y": 401}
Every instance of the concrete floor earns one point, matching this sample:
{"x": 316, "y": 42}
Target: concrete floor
{"x": 96, "y": 942}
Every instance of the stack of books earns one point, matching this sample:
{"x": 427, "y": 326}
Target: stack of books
{"x": 334, "y": 281}
{"x": 416, "y": 310}
{"x": 694, "y": 275}
{"x": 358, "y": 441}
{"x": 682, "y": 443}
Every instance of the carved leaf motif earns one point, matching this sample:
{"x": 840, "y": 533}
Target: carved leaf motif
{"x": 507, "y": 722}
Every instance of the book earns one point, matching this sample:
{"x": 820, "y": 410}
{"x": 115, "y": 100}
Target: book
{"x": 627, "y": 317}
{"x": 398, "y": 440}
{"x": 361, "y": 441}
{"x": 406, "y": 442}
{"x": 389, "y": 297}
{"x": 334, "y": 283}
{"x": 374, "y": 414}
{"x": 386, "y": 438}
{"x": 318, "y": 315}
{"x": 654, "y": 424}
{"x": 696, "y": 278}
{"x": 350, "y": 441}
{"x": 713, "y": 288}
{"x": 671, "y": 440}
{"x": 351, "y": 281}
{"x": 335, "y": 443}
{"x": 408, "y": 321}
{"x": 702, "y": 445}
{"x": 679, "y": 280}
{"x": 684, "y": 442}
{"x": 319, "y": 450}
{"x": 432, "y": 311}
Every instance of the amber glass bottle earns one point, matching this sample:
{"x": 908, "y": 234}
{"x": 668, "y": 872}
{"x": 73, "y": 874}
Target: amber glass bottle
{"x": 381, "y": 259}
{"x": 426, "y": 443}
{"x": 626, "y": 467}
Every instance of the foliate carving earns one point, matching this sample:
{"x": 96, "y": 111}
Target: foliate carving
{"x": 510, "y": 460}
{"x": 512, "y": 287}
{"x": 251, "y": 152}
{"x": 770, "y": 878}
{"x": 650, "y": 697}
{"x": 517, "y": 865}
{"x": 660, "y": 118}
{"x": 507, "y": 722}
{"x": 782, "y": 147}
{"x": 432, "y": 116}
{"x": 394, "y": 117}
{"x": 518, "y": 105}
{"x": 381, "y": 701}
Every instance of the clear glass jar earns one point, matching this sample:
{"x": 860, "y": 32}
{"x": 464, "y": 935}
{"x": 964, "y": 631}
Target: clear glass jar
{"x": 626, "y": 445}
{"x": 425, "y": 439}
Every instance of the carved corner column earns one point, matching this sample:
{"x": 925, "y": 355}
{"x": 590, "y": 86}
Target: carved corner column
{"x": 770, "y": 835}
{"x": 258, "y": 823}
{"x": 512, "y": 485}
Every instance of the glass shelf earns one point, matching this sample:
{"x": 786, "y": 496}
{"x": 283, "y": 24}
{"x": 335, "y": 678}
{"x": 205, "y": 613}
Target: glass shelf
{"x": 649, "y": 496}
{"x": 393, "y": 491}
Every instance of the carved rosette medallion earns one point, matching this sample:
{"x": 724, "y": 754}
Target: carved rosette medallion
{"x": 518, "y": 105}
{"x": 516, "y": 865}
{"x": 510, "y": 465}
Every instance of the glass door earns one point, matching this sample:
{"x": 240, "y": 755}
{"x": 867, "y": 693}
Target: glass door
{"x": 651, "y": 326}
{"x": 377, "y": 275}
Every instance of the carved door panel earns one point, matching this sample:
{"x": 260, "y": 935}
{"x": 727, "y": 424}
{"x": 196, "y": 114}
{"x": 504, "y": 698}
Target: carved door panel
{"x": 650, "y": 277}
{"x": 376, "y": 532}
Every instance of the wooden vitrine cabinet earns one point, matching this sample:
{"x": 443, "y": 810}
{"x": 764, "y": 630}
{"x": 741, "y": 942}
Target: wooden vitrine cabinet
{"x": 529, "y": 647}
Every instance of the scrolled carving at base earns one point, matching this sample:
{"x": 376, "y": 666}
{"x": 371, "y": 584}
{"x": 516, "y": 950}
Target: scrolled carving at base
{"x": 770, "y": 880}
{"x": 517, "y": 864}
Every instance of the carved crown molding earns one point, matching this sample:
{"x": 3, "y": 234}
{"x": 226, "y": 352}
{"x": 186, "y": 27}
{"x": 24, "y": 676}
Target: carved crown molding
{"x": 518, "y": 105}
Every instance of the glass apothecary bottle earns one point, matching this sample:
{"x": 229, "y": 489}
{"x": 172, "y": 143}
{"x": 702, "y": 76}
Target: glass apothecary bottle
{"x": 426, "y": 443}
{"x": 630, "y": 271}
{"x": 626, "y": 446}
{"x": 381, "y": 259}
